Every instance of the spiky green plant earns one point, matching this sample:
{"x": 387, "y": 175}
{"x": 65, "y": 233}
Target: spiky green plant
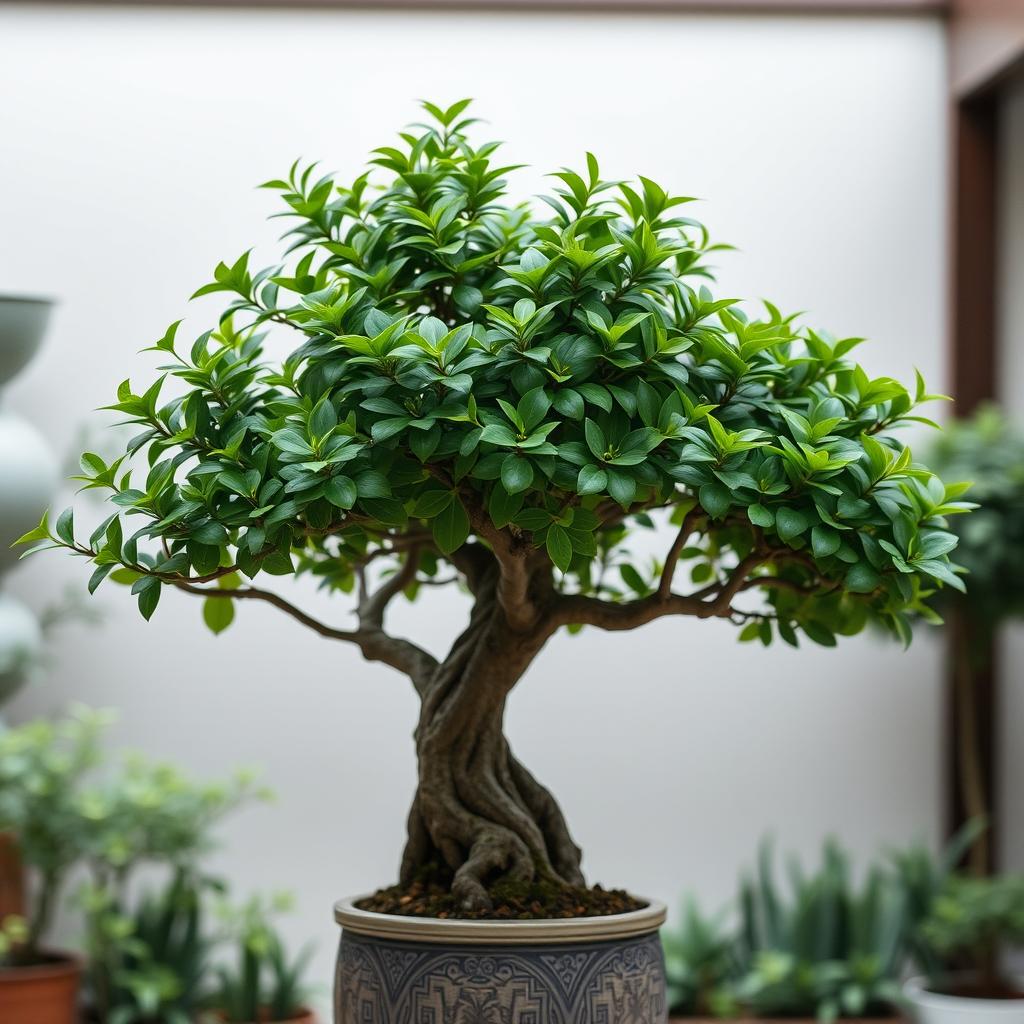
{"x": 825, "y": 948}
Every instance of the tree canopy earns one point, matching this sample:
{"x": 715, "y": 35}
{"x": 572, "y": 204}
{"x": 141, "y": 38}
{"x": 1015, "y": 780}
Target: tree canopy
{"x": 473, "y": 379}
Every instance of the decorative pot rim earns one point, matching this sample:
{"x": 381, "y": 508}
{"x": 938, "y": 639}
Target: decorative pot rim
{"x": 41, "y": 300}
{"x": 917, "y": 991}
{"x": 61, "y": 965}
{"x": 549, "y": 931}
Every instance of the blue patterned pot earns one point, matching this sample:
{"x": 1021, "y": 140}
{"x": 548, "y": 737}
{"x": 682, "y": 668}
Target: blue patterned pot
{"x": 593, "y": 970}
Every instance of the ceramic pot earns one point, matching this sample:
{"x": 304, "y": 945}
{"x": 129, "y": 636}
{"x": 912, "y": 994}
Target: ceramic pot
{"x": 935, "y": 1008}
{"x": 43, "y": 994}
{"x": 28, "y": 478}
{"x": 405, "y": 970}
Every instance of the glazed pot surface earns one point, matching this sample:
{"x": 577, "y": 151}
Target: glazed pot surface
{"x": 936, "y": 1008}
{"x": 43, "y": 994}
{"x": 395, "y": 970}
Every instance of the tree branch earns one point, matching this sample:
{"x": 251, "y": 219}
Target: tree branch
{"x": 672, "y": 559}
{"x": 376, "y": 645}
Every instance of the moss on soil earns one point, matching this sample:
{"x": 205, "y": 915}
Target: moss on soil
{"x": 430, "y": 896}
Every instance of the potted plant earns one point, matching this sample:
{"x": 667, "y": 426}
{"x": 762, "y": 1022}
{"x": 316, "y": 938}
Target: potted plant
{"x": 974, "y": 923}
{"x": 148, "y": 964}
{"x": 829, "y": 951}
{"x": 263, "y": 986}
{"x": 702, "y": 963}
{"x": 484, "y": 396}
{"x": 146, "y": 814}
{"x": 40, "y": 767}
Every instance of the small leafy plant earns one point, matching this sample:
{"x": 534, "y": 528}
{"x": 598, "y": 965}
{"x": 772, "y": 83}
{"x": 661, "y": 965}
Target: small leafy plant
{"x": 264, "y": 985}
{"x": 146, "y": 814}
{"x": 701, "y": 963}
{"x": 973, "y": 923}
{"x": 474, "y": 392}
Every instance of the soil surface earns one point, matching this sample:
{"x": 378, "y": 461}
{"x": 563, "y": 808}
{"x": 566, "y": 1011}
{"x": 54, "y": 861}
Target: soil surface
{"x": 979, "y": 990}
{"x": 536, "y": 901}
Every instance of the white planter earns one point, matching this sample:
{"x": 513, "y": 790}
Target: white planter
{"x": 934, "y": 1008}
{"x": 21, "y": 641}
{"x": 28, "y": 478}
{"x": 22, "y": 325}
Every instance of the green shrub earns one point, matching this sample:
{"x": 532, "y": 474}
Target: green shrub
{"x": 973, "y": 921}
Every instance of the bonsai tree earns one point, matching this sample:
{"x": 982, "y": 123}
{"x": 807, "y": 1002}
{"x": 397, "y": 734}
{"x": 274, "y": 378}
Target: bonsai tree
{"x": 475, "y": 394}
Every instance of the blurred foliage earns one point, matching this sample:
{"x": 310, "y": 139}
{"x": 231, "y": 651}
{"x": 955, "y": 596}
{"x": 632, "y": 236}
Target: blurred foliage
{"x": 263, "y": 984}
{"x": 822, "y": 946}
{"x": 148, "y": 964}
{"x": 68, "y": 807}
{"x": 827, "y": 949}
{"x": 975, "y": 920}
{"x": 989, "y": 451}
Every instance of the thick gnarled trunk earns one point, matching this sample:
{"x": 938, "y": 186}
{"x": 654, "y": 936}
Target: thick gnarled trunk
{"x": 476, "y": 806}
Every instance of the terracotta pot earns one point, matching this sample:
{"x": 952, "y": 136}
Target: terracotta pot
{"x": 584, "y": 969}
{"x": 42, "y": 994}
{"x": 12, "y": 877}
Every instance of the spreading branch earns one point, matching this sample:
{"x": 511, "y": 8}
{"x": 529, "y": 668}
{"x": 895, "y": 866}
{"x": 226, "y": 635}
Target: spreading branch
{"x": 376, "y": 645}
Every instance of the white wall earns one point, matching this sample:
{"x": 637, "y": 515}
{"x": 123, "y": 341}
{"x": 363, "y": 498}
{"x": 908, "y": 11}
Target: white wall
{"x": 131, "y": 142}
{"x": 1011, "y": 378}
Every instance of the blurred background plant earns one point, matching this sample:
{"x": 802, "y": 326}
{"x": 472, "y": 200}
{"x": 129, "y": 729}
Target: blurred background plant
{"x": 988, "y": 450}
{"x": 973, "y": 924}
{"x": 67, "y": 807}
{"x": 702, "y": 961}
{"x": 263, "y": 984}
{"x": 826, "y": 947}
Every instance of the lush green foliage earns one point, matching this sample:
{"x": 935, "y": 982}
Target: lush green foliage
{"x": 989, "y": 451}
{"x": 111, "y": 824}
{"x": 973, "y": 920}
{"x": 265, "y": 984}
{"x": 464, "y": 366}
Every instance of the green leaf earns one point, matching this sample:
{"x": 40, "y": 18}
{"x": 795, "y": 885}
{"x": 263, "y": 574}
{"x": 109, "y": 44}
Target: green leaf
{"x": 789, "y": 523}
{"x": 818, "y": 633}
{"x": 862, "y": 579}
{"x": 760, "y": 516}
{"x": 218, "y": 613}
{"x": 824, "y": 541}
{"x": 559, "y": 547}
{"x": 502, "y": 506}
{"x": 341, "y": 491}
{"x": 715, "y": 499}
{"x": 516, "y": 474}
{"x": 148, "y": 590}
{"x": 432, "y": 503}
{"x": 591, "y": 480}
{"x": 450, "y": 527}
